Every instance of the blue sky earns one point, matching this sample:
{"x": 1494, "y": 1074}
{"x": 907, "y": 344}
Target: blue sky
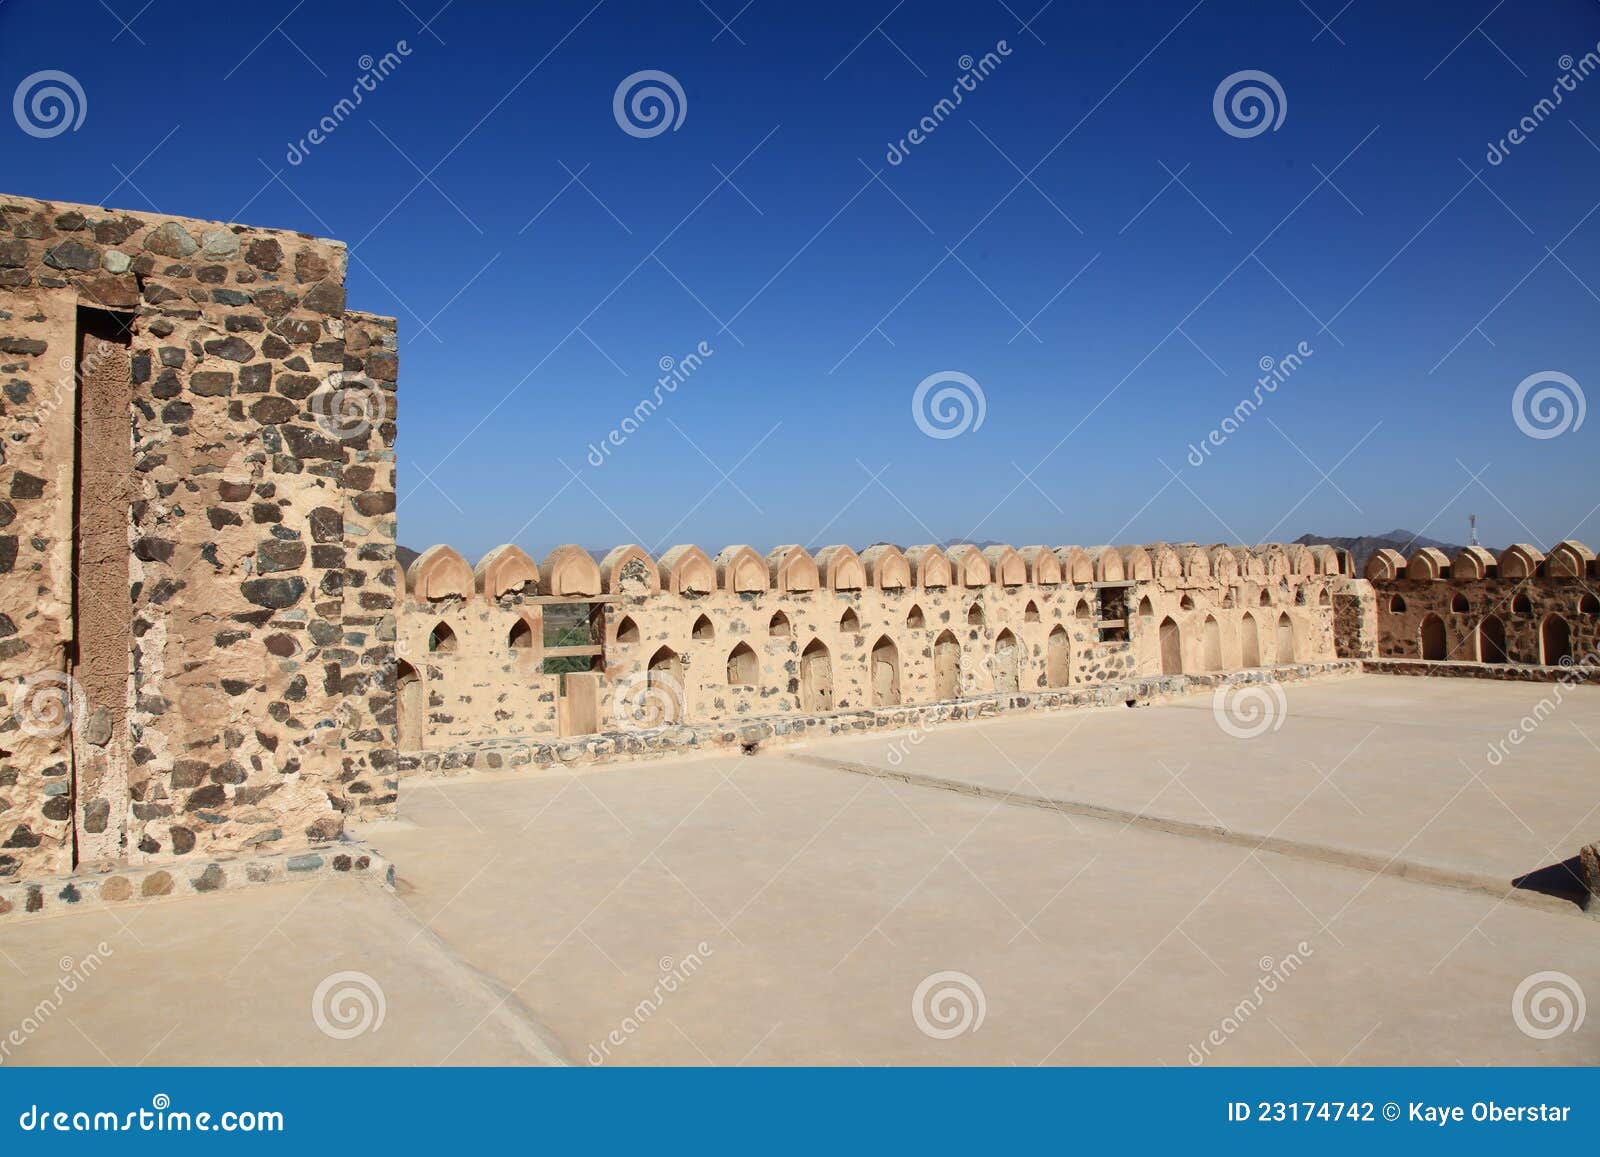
{"x": 542, "y": 261}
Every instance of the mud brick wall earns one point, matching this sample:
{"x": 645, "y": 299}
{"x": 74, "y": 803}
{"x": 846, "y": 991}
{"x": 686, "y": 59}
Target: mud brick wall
{"x": 242, "y": 477}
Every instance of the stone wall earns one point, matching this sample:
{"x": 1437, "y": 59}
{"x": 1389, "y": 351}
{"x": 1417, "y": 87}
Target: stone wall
{"x": 691, "y": 639}
{"x": 1520, "y": 606}
{"x": 199, "y": 691}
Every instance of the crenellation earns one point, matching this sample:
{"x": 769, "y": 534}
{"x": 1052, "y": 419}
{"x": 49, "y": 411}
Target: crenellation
{"x": 1520, "y": 607}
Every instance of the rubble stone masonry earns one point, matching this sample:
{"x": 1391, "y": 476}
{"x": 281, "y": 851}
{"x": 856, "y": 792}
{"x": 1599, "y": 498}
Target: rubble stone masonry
{"x": 196, "y": 541}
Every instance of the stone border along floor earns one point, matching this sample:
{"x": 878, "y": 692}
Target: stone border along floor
{"x": 1504, "y": 672}
{"x": 748, "y": 734}
{"x": 156, "y": 881}
{"x": 1375, "y": 863}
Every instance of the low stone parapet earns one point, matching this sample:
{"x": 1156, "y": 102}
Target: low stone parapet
{"x": 690, "y": 739}
{"x": 1505, "y": 672}
{"x": 138, "y": 885}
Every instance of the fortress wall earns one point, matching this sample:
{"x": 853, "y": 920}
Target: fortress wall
{"x": 212, "y": 726}
{"x": 688, "y": 639}
{"x": 1520, "y": 606}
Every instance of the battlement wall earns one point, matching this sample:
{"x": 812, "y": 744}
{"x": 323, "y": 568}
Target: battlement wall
{"x": 1519, "y": 606}
{"x": 513, "y": 647}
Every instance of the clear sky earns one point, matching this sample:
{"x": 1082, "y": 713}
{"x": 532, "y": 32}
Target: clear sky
{"x": 1080, "y": 236}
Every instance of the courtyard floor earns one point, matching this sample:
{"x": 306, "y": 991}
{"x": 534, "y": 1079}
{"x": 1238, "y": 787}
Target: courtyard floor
{"x": 1096, "y": 878}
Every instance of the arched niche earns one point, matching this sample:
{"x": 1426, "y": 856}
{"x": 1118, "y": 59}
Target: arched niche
{"x": 969, "y": 566}
{"x": 791, "y": 568}
{"x": 1076, "y": 565}
{"x": 1007, "y": 566}
{"x": 569, "y": 571}
{"x": 628, "y": 570}
{"x": 839, "y": 569}
{"x": 888, "y": 569}
{"x": 685, "y": 570}
{"x": 1044, "y": 568}
{"x": 931, "y": 569}
{"x": 439, "y": 573}
{"x": 741, "y": 570}
{"x": 506, "y": 570}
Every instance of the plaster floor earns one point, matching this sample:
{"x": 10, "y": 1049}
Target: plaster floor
{"x": 1418, "y": 769}
{"x": 824, "y": 898}
{"x": 796, "y": 907}
{"x": 231, "y": 979}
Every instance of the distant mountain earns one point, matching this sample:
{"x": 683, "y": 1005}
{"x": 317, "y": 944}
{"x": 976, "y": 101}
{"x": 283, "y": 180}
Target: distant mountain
{"x": 1366, "y": 546}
